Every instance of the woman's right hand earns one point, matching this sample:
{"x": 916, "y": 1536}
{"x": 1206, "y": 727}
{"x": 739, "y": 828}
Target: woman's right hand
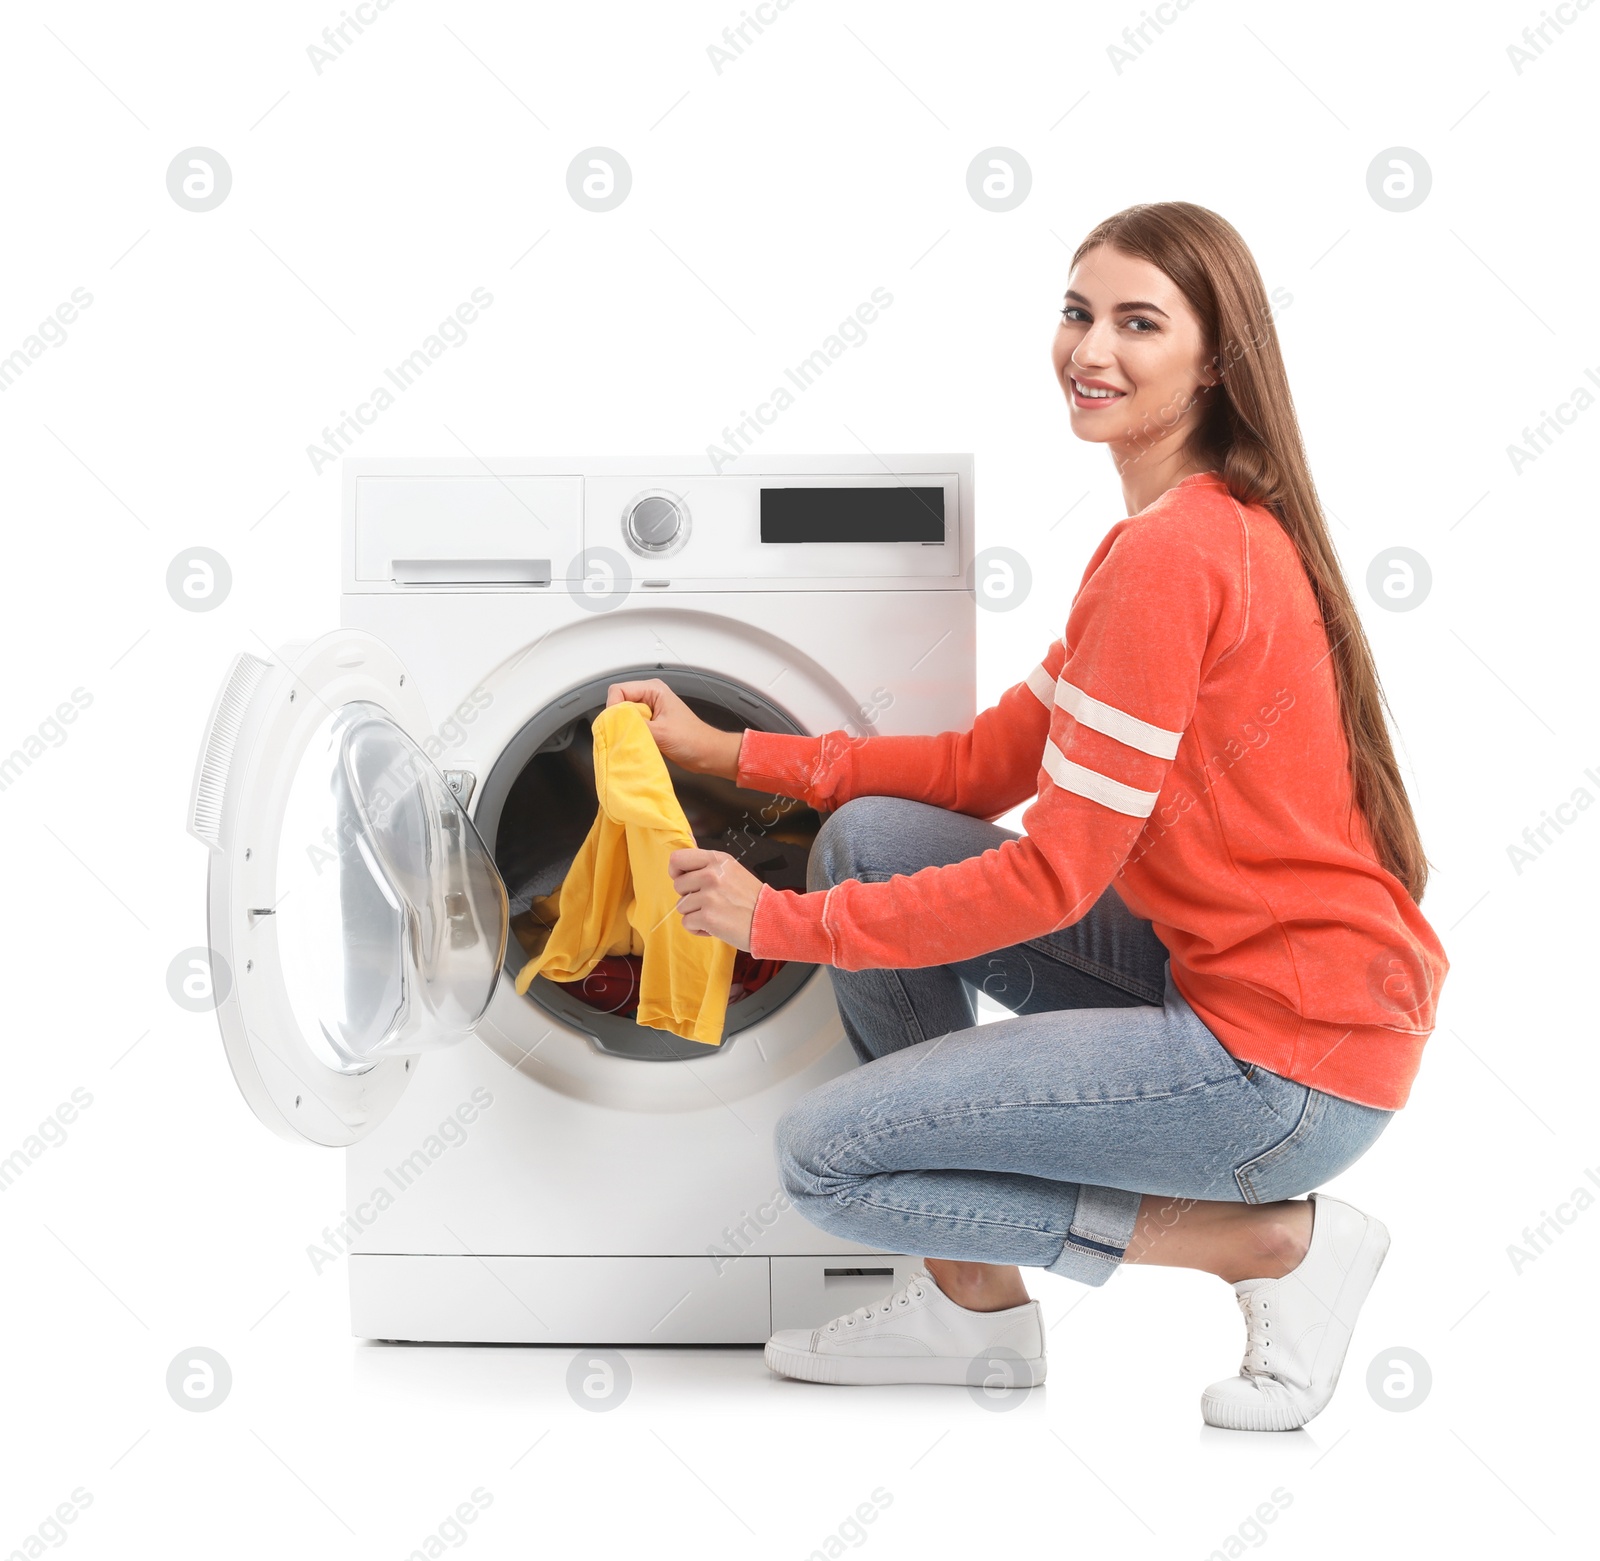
{"x": 679, "y": 733}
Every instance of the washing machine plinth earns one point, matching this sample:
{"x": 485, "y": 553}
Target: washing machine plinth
{"x": 442, "y": 1299}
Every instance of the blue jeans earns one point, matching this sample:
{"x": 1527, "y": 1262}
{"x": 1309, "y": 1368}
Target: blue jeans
{"x": 1032, "y": 1139}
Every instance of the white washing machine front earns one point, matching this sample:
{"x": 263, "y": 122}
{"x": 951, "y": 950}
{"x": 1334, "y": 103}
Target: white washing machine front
{"x": 383, "y": 804}
{"x": 657, "y": 1145}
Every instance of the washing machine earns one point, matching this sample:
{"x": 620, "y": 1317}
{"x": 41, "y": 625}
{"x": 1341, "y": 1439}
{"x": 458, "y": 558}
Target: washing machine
{"x": 385, "y": 805}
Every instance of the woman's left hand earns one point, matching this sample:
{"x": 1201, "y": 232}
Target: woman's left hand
{"x": 717, "y": 897}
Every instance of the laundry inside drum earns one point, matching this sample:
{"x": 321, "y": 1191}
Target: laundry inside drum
{"x": 547, "y": 813}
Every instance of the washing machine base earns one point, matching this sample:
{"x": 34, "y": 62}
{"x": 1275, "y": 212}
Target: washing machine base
{"x": 447, "y": 1299}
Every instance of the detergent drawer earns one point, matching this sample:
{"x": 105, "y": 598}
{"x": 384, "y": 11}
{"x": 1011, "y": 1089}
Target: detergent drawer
{"x": 484, "y": 530}
{"x": 482, "y": 1299}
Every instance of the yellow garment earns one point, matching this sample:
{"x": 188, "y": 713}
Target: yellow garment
{"x": 618, "y": 897}
{"x": 532, "y": 928}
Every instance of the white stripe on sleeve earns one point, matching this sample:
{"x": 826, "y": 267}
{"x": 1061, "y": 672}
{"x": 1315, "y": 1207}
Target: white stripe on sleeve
{"x": 1117, "y": 724}
{"x": 1095, "y": 786}
{"x": 1043, "y": 686}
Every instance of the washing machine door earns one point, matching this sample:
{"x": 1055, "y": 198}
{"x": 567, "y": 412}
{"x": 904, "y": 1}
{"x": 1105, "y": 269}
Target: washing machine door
{"x": 355, "y": 918}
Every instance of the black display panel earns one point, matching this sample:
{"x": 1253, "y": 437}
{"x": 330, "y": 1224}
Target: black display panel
{"x": 852, "y": 514}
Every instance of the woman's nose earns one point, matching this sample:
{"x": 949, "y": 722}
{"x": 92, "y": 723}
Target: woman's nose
{"x": 1094, "y": 348}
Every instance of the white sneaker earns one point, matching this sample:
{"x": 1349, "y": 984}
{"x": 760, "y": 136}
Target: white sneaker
{"x": 918, "y": 1334}
{"x": 1298, "y": 1328}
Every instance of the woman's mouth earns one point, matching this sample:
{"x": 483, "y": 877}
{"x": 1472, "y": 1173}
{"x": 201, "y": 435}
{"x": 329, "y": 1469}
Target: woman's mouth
{"x": 1091, "y": 393}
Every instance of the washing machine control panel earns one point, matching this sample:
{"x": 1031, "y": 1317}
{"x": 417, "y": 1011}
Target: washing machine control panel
{"x": 862, "y": 522}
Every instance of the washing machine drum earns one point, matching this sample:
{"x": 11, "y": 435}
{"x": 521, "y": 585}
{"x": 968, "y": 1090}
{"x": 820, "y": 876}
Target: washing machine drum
{"x": 539, "y": 802}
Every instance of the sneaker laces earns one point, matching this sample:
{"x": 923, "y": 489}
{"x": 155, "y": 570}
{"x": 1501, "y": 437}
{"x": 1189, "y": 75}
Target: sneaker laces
{"x": 915, "y": 1286}
{"x": 1257, "y": 1308}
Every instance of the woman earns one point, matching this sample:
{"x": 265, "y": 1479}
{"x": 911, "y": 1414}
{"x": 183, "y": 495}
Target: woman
{"x": 1207, "y": 932}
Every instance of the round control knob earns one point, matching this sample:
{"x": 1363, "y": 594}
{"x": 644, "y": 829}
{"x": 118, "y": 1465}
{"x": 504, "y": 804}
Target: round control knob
{"x": 656, "y": 524}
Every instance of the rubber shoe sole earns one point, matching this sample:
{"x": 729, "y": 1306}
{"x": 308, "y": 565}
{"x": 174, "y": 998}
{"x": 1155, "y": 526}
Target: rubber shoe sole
{"x": 1271, "y": 1415}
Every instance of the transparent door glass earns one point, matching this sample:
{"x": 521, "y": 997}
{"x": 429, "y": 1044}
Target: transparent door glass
{"x": 391, "y": 917}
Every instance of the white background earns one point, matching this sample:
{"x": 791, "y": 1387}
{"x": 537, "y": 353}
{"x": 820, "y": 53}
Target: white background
{"x": 769, "y": 201}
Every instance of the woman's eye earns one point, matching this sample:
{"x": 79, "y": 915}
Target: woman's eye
{"x": 1068, "y": 314}
{"x": 1139, "y": 319}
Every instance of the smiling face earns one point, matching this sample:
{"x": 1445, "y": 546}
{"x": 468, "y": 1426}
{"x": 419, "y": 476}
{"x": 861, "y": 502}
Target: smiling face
{"x": 1130, "y": 356}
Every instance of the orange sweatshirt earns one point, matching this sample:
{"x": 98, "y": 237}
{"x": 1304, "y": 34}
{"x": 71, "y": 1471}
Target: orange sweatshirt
{"x": 1180, "y": 741}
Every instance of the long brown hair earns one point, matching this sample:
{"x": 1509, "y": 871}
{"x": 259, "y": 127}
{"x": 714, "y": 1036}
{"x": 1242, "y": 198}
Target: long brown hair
{"x": 1249, "y": 435}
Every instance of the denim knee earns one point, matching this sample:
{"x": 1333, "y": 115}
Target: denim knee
{"x": 836, "y": 852}
{"x": 799, "y": 1138}
{"x": 792, "y": 1176}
